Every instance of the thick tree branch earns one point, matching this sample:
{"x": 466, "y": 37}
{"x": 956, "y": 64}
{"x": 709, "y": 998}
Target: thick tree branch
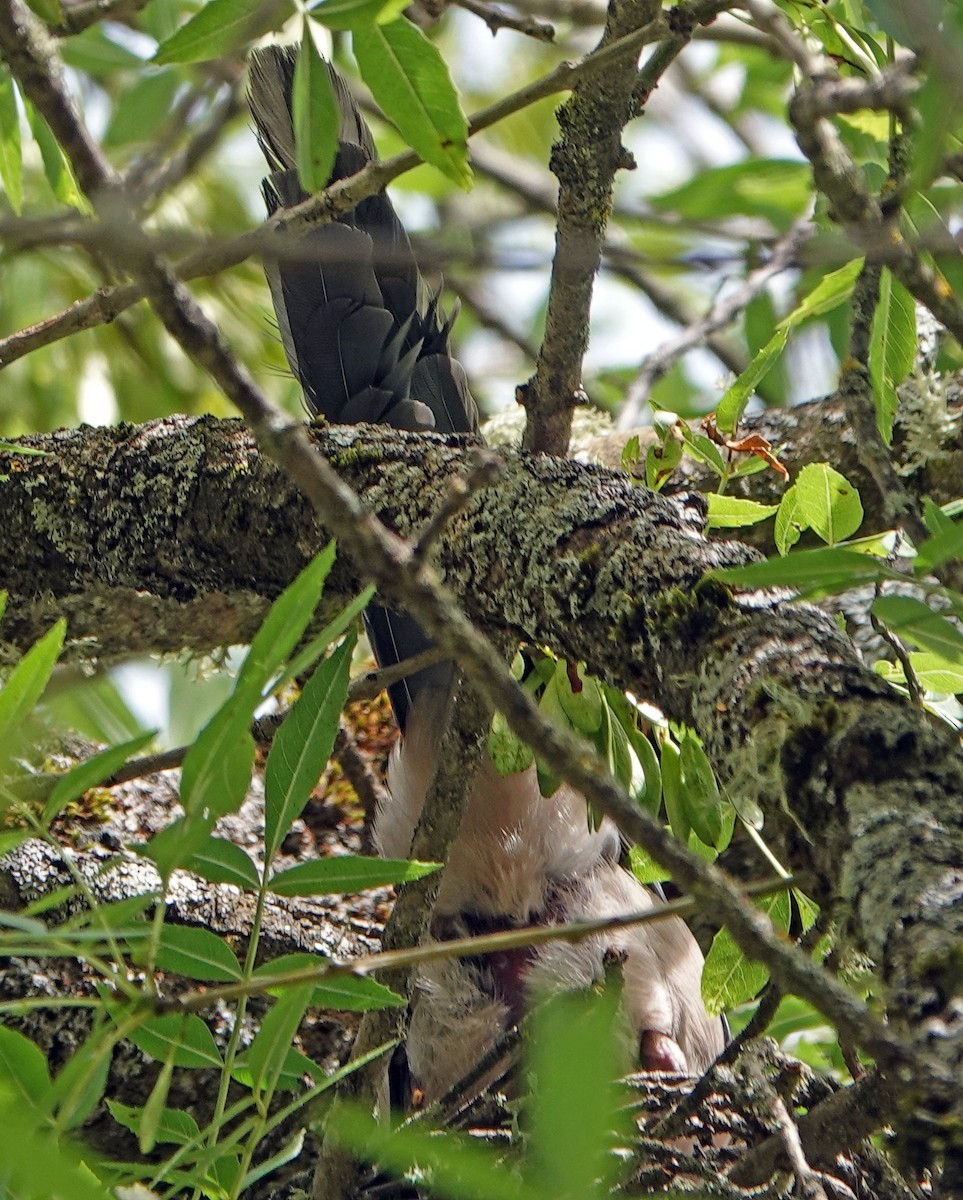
{"x": 602, "y": 572}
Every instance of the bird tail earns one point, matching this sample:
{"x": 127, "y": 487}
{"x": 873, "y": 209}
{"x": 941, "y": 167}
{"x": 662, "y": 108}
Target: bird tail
{"x": 359, "y": 327}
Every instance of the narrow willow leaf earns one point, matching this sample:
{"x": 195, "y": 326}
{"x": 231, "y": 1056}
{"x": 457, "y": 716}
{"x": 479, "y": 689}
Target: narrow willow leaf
{"x": 409, "y": 79}
{"x": 831, "y": 291}
{"x": 217, "y": 769}
{"x": 912, "y": 619}
{"x": 220, "y": 861}
{"x": 154, "y": 1109}
{"x": 25, "y": 686}
{"x": 38, "y": 1161}
{"x": 352, "y": 14}
{"x": 197, "y": 954}
{"x": 55, "y": 165}
{"x": 23, "y": 1070}
{"x": 731, "y": 512}
{"x": 700, "y": 792}
{"x": 346, "y": 873}
{"x": 284, "y": 625}
{"x": 733, "y": 403}
{"x": 184, "y": 1039}
{"x": 810, "y": 572}
{"x": 11, "y": 149}
{"x": 309, "y": 655}
{"x": 81, "y": 1082}
{"x": 48, "y": 10}
{"x": 265, "y": 1055}
{"x": 73, "y": 783}
{"x": 457, "y": 1166}
{"x": 221, "y": 27}
{"x": 576, "y": 1106}
{"x": 789, "y": 522}
{"x": 672, "y": 790}
{"x": 315, "y": 116}
{"x": 303, "y": 745}
{"x": 935, "y": 551}
{"x": 347, "y": 993}
{"x": 174, "y": 1127}
{"x": 892, "y": 349}
{"x": 828, "y": 502}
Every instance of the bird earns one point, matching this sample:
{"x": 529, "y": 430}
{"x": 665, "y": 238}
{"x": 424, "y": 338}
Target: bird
{"x": 369, "y": 343}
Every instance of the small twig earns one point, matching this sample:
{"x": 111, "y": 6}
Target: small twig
{"x": 368, "y": 787}
{"x": 723, "y": 312}
{"x": 78, "y": 17}
{"x": 902, "y": 654}
{"x": 484, "y": 470}
{"x": 365, "y": 687}
{"x": 499, "y": 18}
{"x": 810, "y": 1185}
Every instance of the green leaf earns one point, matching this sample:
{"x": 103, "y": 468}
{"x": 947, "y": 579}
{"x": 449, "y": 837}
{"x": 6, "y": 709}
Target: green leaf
{"x": 828, "y": 502}
{"x": 153, "y": 1111}
{"x": 79, "y": 779}
{"x": 175, "y": 845}
{"x": 309, "y": 655}
{"x": 55, "y": 165}
{"x": 409, "y": 79}
{"x": 25, "y": 686}
{"x": 197, "y": 954}
{"x": 48, "y": 10}
{"x": 284, "y": 625}
{"x": 343, "y": 993}
{"x": 892, "y": 350}
{"x": 728, "y": 977}
{"x": 730, "y": 512}
{"x": 700, "y": 792}
{"x": 220, "y": 861}
{"x": 81, "y": 1082}
{"x": 935, "y": 551}
{"x": 582, "y": 704}
{"x": 265, "y": 1055}
{"x": 810, "y": 572}
{"x": 23, "y": 1070}
{"x": 672, "y": 796}
{"x": 183, "y": 1039}
{"x": 456, "y": 1165}
{"x": 139, "y": 114}
{"x": 217, "y": 769}
{"x": 777, "y": 189}
{"x": 346, "y": 873}
{"x": 221, "y": 27}
{"x": 913, "y": 620}
{"x": 831, "y": 291}
{"x": 175, "y": 1127}
{"x": 789, "y": 521}
{"x": 316, "y": 117}
{"x": 733, "y": 403}
{"x": 38, "y": 1162}
{"x": 11, "y": 150}
{"x": 303, "y": 745}
{"x": 508, "y": 752}
{"x": 937, "y": 675}
{"x": 353, "y": 14}
{"x": 576, "y": 1106}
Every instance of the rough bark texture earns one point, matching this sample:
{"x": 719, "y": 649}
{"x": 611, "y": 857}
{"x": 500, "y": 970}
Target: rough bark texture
{"x": 862, "y": 788}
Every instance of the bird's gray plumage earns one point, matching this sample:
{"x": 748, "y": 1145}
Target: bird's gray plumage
{"x": 360, "y": 330}
{"x": 368, "y": 343}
